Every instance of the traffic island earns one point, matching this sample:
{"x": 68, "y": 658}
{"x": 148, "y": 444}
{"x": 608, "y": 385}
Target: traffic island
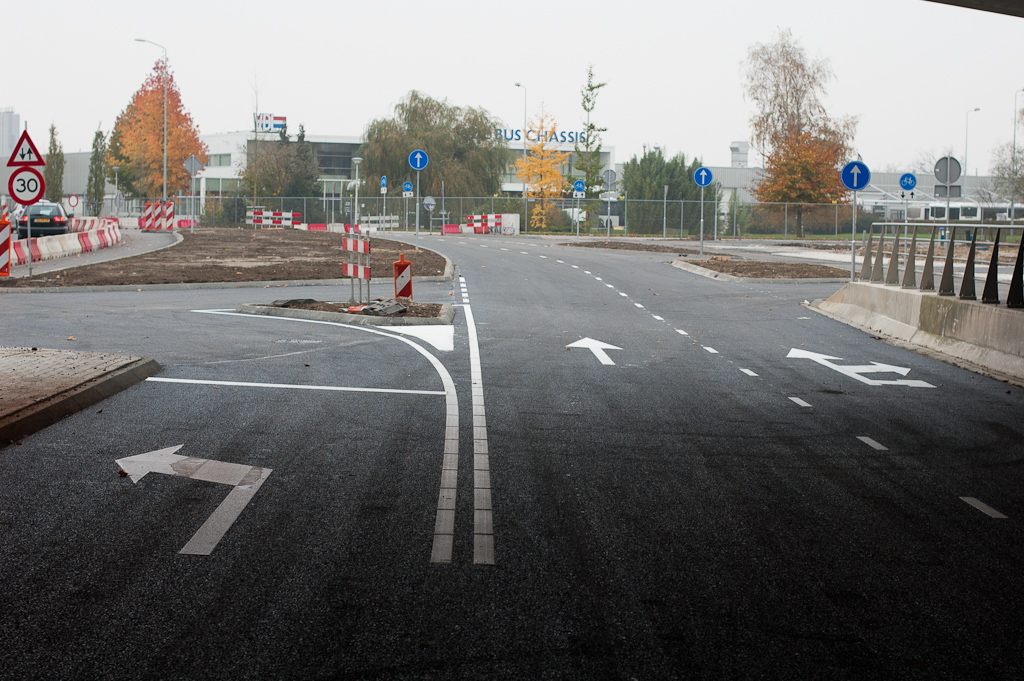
{"x": 41, "y": 387}
{"x": 382, "y": 312}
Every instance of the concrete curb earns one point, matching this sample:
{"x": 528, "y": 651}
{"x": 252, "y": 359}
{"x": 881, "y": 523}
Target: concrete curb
{"x": 49, "y": 411}
{"x": 446, "y": 317}
{"x": 711, "y": 274}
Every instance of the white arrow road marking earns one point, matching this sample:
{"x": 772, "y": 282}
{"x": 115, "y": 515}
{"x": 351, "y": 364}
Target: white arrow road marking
{"x": 244, "y": 480}
{"x": 597, "y": 347}
{"x": 856, "y": 371}
{"x": 984, "y": 508}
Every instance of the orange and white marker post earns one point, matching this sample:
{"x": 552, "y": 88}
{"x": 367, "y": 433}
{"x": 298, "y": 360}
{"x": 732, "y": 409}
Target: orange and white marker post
{"x": 5, "y": 247}
{"x": 403, "y": 277}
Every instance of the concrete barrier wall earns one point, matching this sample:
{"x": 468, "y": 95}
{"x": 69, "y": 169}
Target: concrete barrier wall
{"x": 991, "y": 336}
{"x": 63, "y": 245}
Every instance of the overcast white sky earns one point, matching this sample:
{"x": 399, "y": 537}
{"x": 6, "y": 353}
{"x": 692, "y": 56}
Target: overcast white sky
{"x": 908, "y": 69}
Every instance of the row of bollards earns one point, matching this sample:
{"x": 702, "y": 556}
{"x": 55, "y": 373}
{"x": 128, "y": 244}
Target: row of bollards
{"x": 872, "y": 269}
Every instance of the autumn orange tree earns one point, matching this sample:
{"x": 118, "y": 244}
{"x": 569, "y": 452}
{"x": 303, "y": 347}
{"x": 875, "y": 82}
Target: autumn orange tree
{"x": 541, "y": 168}
{"x": 803, "y": 169}
{"x": 136, "y": 145}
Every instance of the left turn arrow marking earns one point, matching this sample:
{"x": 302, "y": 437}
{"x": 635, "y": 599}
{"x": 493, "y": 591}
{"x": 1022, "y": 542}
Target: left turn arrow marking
{"x": 244, "y": 480}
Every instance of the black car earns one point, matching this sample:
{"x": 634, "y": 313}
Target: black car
{"x": 47, "y": 219}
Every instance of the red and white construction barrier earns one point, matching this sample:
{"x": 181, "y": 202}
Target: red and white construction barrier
{"x": 450, "y": 229}
{"x": 267, "y": 218}
{"x": 157, "y": 217}
{"x": 355, "y": 271}
{"x": 356, "y": 245}
{"x": 403, "y": 277}
{"x": 5, "y": 245}
{"x": 63, "y": 245}
{"x": 484, "y": 224}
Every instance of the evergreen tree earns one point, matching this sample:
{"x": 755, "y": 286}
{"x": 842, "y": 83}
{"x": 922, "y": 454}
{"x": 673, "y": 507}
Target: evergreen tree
{"x": 53, "y": 173}
{"x": 97, "y": 183}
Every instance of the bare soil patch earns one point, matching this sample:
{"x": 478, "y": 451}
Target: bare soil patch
{"x": 771, "y": 270}
{"x": 239, "y": 255}
{"x": 630, "y": 246}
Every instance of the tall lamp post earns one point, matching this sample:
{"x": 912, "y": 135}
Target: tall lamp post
{"x": 967, "y": 127}
{"x": 1013, "y": 155}
{"x": 117, "y": 196}
{"x": 356, "y": 160}
{"x": 526, "y": 201}
{"x": 143, "y": 40}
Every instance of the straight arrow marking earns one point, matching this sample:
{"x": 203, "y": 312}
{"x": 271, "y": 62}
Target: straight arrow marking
{"x": 244, "y": 480}
{"x": 597, "y": 347}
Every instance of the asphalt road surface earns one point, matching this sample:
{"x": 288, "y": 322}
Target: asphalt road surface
{"x": 739, "y": 488}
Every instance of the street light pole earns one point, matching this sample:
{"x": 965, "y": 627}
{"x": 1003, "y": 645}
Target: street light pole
{"x": 1013, "y": 156}
{"x": 164, "y": 79}
{"x": 117, "y": 195}
{"x": 967, "y": 172}
{"x": 356, "y": 160}
{"x": 526, "y": 199}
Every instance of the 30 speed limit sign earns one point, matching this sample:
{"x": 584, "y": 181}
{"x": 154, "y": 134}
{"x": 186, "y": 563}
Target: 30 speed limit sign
{"x": 26, "y": 186}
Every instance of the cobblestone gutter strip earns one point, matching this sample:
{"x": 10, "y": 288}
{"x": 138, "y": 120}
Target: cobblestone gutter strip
{"x": 40, "y": 387}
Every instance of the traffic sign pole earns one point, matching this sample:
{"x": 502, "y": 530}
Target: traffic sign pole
{"x": 853, "y": 240}
{"x": 702, "y": 222}
{"x": 417, "y": 206}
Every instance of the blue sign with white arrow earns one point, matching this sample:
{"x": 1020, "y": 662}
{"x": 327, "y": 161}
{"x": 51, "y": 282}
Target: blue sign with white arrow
{"x": 908, "y": 181}
{"x": 384, "y": 181}
{"x": 418, "y": 159}
{"x": 578, "y": 186}
{"x": 703, "y": 177}
{"x": 407, "y": 187}
{"x": 855, "y": 176}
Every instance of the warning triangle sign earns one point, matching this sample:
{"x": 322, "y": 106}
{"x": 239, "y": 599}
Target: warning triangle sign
{"x": 25, "y": 154}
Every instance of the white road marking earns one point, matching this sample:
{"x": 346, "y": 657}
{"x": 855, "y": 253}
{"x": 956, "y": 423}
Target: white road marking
{"x": 803, "y": 317}
{"x": 504, "y": 249}
{"x": 856, "y": 371}
{"x": 441, "y": 551}
{"x": 748, "y": 372}
{"x": 561, "y": 261}
{"x": 610, "y": 285}
{"x": 483, "y": 511}
{"x": 329, "y": 388}
{"x": 984, "y": 508}
{"x": 660, "y": 319}
{"x": 597, "y": 347}
{"x": 244, "y": 480}
{"x": 624, "y": 295}
{"x": 711, "y": 350}
{"x": 575, "y": 267}
{"x": 524, "y": 252}
{"x": 800, "y": 402}
{"x": 598, "y": 278}
{"x": 639, "y": 305}
{"x": 868, "y": 441}
{"x": 681, "y": 332}
{"x": 441, "y": 336}
{"x": 543, "y": 256}
{"x": 586, "y": 271}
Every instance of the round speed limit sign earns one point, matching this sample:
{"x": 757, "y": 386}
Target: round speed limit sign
{"x": 26, "y": 185}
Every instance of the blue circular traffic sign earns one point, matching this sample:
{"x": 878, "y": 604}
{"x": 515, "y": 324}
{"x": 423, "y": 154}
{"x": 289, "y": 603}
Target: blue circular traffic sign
{"x": 384, "y": 181}
{"x": 908, "y": 181}
{"x": 855, "y": 176}
{"x": 702, "y": 176}
{"x": 418, "y": 159}
{"x": 578, "y": 186}
{"x": 407, "y": 186}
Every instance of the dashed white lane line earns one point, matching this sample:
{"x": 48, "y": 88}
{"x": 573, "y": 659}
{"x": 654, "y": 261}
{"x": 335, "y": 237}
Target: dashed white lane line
{"x": 561, "y": 261}
{"x": 610, "y": 285}
{"x": 681, "y": 332}
{"x": 660, "y": 319}
{"x": 575, "y": 267}
{"x": 748, "y": 372}
{"x": 586, "y": 271}
{"x": 524, "y": 252}
{"x": 543, "y": 256}
{"x": 504, "y": 249}
{"x": 984, "y": 508}
{"x": 803, "y": 317}
{"x": 711, "y": 350}
{"x": 868, "y": 441}
{"x": 639, "y": 305}
{"x": 799, "y": 402}
{"x": 624, "y": 295}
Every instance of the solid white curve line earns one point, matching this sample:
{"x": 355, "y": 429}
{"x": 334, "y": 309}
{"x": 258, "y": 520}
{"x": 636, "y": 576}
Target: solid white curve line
{"x": 868, "y": 441}
{"x": 483, "y": 511}
{"x": 799, "y": 402}
{"x": 330, "y": 388}
{"x": 984, "y": 508}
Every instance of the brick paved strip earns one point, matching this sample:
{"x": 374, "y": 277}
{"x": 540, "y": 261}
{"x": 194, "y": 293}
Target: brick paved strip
{"x": 40, "y": 387}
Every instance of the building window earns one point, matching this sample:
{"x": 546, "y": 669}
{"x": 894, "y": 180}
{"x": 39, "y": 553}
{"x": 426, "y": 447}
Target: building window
{"x": 219, "y": 160}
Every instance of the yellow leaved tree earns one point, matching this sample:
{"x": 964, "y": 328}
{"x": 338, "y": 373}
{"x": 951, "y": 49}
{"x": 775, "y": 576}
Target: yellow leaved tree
{"x": 541, "y": 168}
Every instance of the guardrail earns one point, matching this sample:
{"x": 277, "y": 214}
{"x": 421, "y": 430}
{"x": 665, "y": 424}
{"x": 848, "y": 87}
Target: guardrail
{"x": 874, "y": 270}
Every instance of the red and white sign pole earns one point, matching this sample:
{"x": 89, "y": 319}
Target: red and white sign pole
{"x": 403, "y": 277}
{"x": 26, "y": 184}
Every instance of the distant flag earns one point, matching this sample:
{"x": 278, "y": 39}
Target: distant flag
{"x": 269, "y": 122}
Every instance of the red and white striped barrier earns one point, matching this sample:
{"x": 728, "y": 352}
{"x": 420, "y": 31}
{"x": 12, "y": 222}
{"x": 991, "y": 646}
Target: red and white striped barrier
{"x": 356, "y": 245}
{"x": 5, "y": 245}
{"x": 403, "y": 277}
{"x": 450, "y": 229}
{"x": 264, "y": 218}
{"x": 355, "y": 271}
{"x": 484, "y": 224}
{"x": 63, "y": 245}
{"x": 157, "y": 217}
